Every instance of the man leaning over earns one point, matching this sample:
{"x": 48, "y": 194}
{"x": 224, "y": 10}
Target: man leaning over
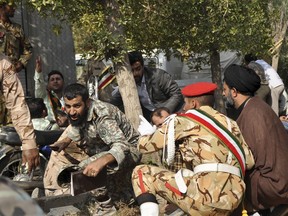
{"x": 211, "y": 143}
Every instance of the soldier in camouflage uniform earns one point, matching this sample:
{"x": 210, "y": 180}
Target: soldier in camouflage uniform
{"x": 102, "y": 137}
{"x": 13, "y": 44}
{"x": 15, "y": 201}
{"x": 215, "y": 186}
{"x": 13, "y": 93}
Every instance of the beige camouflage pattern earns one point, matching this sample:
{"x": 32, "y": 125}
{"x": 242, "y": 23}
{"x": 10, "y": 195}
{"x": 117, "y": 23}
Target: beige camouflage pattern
{"x": 110, "y": 129}
{"x": 209, "y": 193}
{"x": 5, "y": 115}
{"x": 16, "y": 47}
{"x": 15, "y": 102}
{"x": 14, "y": 44}
{"x": 107, "y": 131}
{"x": 15, "y": 201}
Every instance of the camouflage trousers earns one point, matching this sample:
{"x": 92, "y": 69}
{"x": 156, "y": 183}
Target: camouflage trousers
{"x": 5, "y": 115}
{"x": 119, "y": 185}
{"x": 155, "y": 180}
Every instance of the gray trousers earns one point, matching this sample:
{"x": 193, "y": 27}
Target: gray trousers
{"x": 275, "y": 97}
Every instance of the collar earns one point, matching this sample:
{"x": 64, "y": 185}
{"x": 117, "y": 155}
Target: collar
{"x": 90, "y": 110}
{"x": 207, "y": 109}
{"x": 241, "y": 107}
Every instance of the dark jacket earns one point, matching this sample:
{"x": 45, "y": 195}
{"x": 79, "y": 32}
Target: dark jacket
{"x": 162, "y": 90}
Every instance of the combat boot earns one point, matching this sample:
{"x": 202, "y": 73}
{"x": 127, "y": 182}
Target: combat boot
{"x": 104, "y": 208}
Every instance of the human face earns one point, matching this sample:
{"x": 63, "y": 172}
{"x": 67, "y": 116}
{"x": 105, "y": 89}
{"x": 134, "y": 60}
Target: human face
{"x": 189, "y": 104}
{"x": 137, "y": 70}
{"x": 228, "y": 95}
{"x": 55, "y": 83}
{"x": 158, "y": 120}
{"x": 9, "y": 9}
{"x": 76, "y": 110}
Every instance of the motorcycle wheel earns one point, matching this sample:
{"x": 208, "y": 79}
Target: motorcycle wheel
{"x": 9, "y": 167}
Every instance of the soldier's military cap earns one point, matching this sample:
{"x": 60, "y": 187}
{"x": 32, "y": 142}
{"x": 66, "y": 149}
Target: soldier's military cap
{"x": 198, "y": 89}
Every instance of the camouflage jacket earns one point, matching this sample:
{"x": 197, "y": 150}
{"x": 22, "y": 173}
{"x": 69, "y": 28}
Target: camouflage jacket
{"x": 15, "y": 101}
{"x": 107, "y": 130}
{"x": 197, "y": 144}
{"x": 14, "y": 44}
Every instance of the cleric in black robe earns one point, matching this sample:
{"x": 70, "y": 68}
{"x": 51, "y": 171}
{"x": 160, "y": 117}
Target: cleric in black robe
{"x": 267, "y": 182}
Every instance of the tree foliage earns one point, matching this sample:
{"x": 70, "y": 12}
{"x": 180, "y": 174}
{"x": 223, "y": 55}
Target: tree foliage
{"x": 187, "y": 26}
{"x": 192, "y": 26}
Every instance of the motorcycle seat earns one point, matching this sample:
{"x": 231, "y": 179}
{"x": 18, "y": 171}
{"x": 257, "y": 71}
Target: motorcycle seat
{"x": 9, "y": 136}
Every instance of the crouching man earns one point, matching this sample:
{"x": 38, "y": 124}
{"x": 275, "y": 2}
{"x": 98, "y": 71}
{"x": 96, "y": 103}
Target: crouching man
{"x": 211, "y": 143}
{"x": 102, "y": 137}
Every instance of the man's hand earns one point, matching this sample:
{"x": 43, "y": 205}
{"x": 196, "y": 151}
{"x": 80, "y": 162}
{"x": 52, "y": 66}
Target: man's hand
{"x": 31, "y": 156}
{"x": 145, "y": 128}
{"x": 18, "y": 66}
{"x": 60, "y": 145}
{"x": 96, "y": 166}
{"x": 38, "y": 65}
{"x": 284, "y": 118}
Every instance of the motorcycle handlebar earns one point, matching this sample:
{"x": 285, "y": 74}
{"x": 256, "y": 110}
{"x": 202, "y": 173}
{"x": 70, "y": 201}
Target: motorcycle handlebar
{"x": 9, "y": 136}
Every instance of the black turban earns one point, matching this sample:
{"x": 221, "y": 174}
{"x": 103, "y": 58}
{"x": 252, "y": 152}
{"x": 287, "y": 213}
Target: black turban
{"x": 243, "y": 79}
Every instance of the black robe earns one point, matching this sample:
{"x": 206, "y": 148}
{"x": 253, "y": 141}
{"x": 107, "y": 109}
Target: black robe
{"x": 267, "y": 182}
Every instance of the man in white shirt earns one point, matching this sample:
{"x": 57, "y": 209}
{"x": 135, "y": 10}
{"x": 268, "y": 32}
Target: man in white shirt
{"x": 275, "y": 83}
{"x": 52, "y": 93}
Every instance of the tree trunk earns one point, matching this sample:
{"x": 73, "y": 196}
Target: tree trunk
{"x": 128, "y": 91}
{"x": 275, "y": 60}
{"x": 280, "y": 29}
{"x": 125, "y": 79}
{"x": 217, "y": 78}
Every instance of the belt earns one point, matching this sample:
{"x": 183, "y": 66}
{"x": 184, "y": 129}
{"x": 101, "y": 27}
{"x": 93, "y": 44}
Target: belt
{"x": 217, "y": 167}
{"x": 209, "y": 167}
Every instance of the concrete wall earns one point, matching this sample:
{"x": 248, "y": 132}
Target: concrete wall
{"x": 57, "y": 52}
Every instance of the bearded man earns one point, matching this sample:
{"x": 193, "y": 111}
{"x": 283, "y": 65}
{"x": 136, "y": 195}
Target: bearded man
{"x": 267, "y": 182}
{"x": 102, "y": 138}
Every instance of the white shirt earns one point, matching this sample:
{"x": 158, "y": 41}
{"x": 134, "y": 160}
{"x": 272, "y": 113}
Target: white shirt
{"x": 271, "y": 74}
{"x": 41, "y": 92}
{"x": 144, "y": 97}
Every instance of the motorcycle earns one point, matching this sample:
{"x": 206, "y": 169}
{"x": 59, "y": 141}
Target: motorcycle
{"x": 11, "y": 156}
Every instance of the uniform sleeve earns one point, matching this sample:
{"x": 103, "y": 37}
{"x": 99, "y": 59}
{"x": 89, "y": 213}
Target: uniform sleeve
{"x": 113, "y": 136}
{"x": 27, "y": 49}
{"x": 15, "y": 102}
{"x": 152, "y": 143}
{"x": 248, "y": 153}
{"x": 74, "y": 133}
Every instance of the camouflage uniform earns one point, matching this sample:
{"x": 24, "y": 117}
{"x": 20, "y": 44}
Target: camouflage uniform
{"x": 14, "y": 43}
{"x": 106, "y": 131}
{"x": 208, "y": 193}
{"x": 15, "y": 201}
{"x": 15, "y": 102}
{"x": 18, "y": 48}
